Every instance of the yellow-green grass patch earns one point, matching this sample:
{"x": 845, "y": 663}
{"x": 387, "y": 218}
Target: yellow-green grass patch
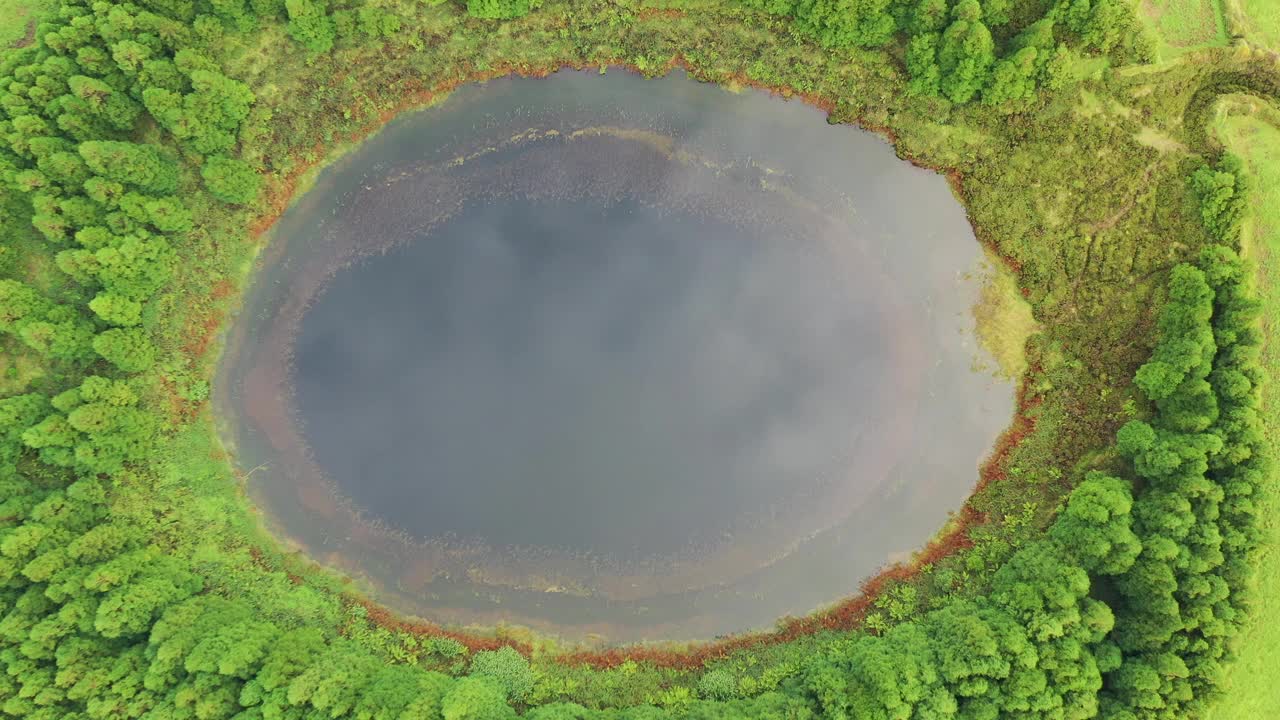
{"x": 1004, "y": 320}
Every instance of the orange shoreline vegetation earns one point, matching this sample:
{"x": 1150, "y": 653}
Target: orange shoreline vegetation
{"x": 847, "y": 614}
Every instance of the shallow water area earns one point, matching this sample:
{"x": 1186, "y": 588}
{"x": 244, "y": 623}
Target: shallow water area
{"x": 613, "y": 357}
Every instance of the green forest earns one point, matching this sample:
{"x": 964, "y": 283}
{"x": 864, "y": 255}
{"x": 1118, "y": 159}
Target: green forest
{"x": 1109, "y": 561}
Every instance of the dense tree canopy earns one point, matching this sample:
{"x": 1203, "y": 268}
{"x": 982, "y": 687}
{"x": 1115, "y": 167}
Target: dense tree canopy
{"x": 950, "y": 49}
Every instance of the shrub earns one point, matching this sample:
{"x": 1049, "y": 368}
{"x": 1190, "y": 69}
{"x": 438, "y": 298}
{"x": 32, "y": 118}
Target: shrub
{"x": 506, "y": 667}
{"x": 718, "y": 685}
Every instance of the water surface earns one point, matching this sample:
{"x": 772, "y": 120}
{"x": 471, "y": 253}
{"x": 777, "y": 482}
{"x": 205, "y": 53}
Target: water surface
{"x": 643, "y": 359}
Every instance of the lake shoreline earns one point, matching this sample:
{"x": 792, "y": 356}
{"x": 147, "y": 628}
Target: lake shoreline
{"x": 947, "y": 541}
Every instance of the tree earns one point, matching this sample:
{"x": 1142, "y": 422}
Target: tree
{"x": 132, "y": 607}
{"x": 60, "y": 333}
{"x": 116, "y": 309}
{"x": 429, "y": 699}
{"x": 1181, "y": 598}
{"x": 310, "y": 25}
{"x": 376, "y": 22}
{"x": 168, "y": 215}
{"x": 1108, "y": 20}
{"x": 232, "y": 13}
{"x": 1222, "y": 194}
{"x": 336, "y": 680}
{"x": 966, "y": 53}
{"x": 233, "y": 649}
{"x": 1095, "y": 526}
{"x": 996, "y": 12}
{"x": 1013, "y": 79}
{"x": 842, "y": 24}
{"x": 922, "y": 65}
{"x": 126, "y": 348}
{"x": 230, "y": 180}
{"x": 17, "y": 413}
{"x": 394, "y": 689}
{"x": 143, "y": 166}
{"x": 65, "y": 168}
{"x": 928, "y": 16}
{"x": 135, "y": 266}
{"x": 97, "y": 98}
{"x": 207, "y": 118}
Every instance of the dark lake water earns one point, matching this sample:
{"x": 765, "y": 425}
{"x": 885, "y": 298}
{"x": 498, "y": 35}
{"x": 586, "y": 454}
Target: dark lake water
{"x": 643, "y": 359}
{"x": 611, "y": 378}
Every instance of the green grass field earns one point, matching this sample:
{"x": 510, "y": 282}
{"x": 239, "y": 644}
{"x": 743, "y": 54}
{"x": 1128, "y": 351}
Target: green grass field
{"x": 1183, "y": 25}
{"x": 1252, "y": 692}
{"x": 16, "y": 18}
{"x": 1261, "y": 21}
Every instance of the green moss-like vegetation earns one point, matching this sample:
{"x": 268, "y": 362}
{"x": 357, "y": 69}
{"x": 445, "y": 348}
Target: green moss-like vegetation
{"x": 1103, "y": 569}
{"x": 1004, "y": 322}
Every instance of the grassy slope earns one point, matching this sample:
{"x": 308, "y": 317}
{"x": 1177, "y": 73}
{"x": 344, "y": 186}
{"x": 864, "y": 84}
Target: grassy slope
{"x": 1252, "y": 690}
{"x": 1258, "y": 20}
{"x": 1253, "y": 132}
{"x": 1183, "y": 25}
{"x": 17, "y": 16}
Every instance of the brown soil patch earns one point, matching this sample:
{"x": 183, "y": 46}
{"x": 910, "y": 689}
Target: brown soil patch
{"x": 660, "y": 13}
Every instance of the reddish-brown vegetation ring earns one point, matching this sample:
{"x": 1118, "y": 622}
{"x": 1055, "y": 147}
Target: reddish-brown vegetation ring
{"x": 847, "y": 614}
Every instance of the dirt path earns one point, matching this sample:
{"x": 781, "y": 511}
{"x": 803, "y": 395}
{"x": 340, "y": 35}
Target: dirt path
{"x": 27, "y": 39}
